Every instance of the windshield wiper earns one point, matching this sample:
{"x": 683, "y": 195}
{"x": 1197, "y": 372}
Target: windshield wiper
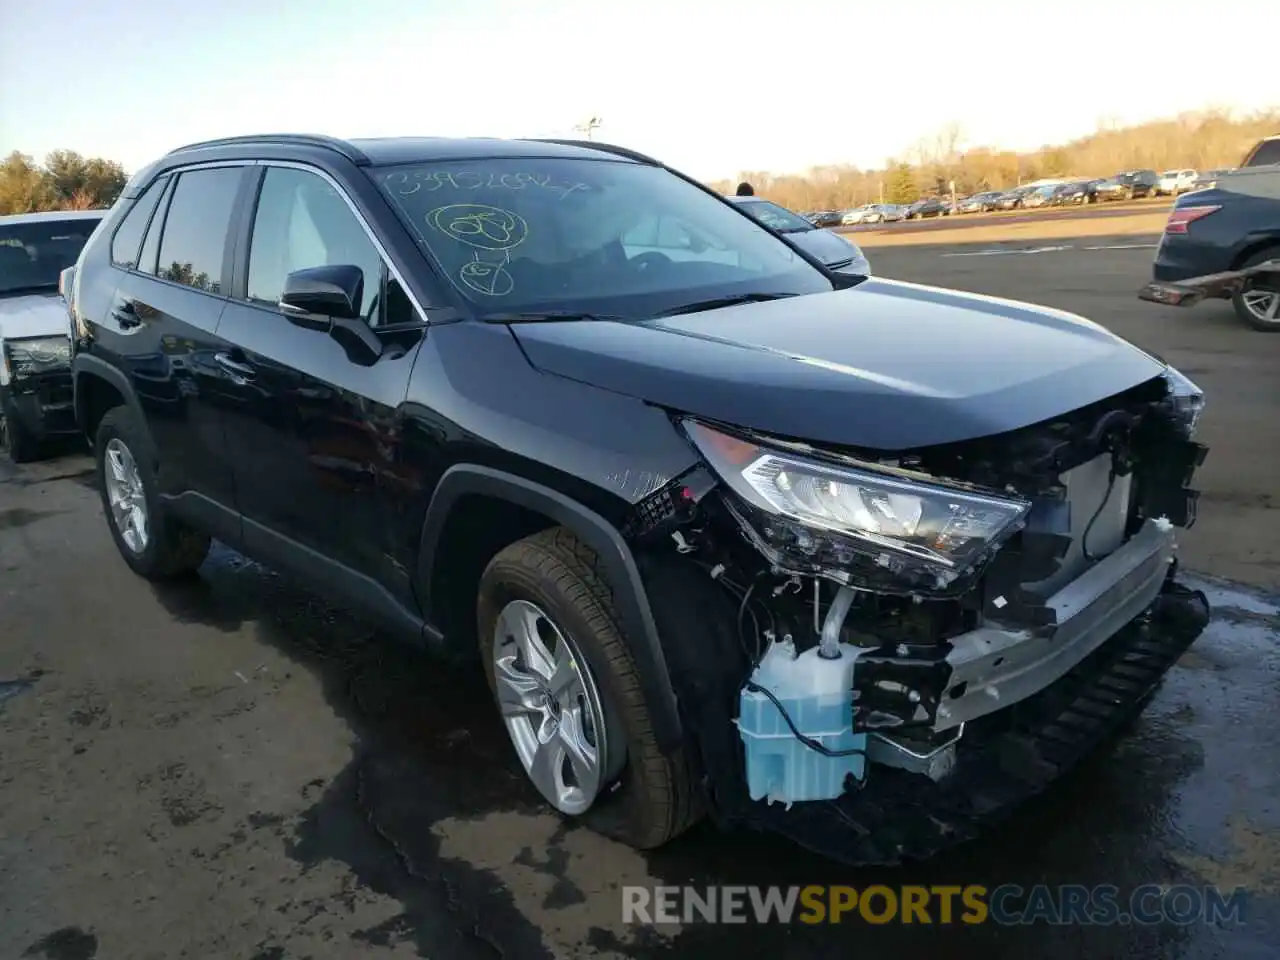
{"x": 544, "y": 316}
{"x": 714, "y": 304}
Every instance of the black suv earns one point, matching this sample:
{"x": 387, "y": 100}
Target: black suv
{"x": 722, "y": 526}
{"x": 1133, "y": 185}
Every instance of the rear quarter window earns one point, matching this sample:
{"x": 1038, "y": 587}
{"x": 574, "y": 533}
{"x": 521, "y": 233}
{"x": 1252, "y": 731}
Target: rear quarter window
{"x": 128, "y": 239}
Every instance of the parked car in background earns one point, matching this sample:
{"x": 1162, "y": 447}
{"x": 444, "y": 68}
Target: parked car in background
{"x": 1133, "y": 185}
{"x": 1174, "y": 182}
{"x": 1012, "y": 199}
{"x": 1264, "y": 154}
{"x": 1232, "y": 225}
{"x": 979, "y": 202}
{"x": 35, "y": 367}
{"x": 882, "y": 213}
{"x": 855, "y": 215}
{"x": 1079, "y": 192}
{"x": 833, "y": 249}
{"x": 928, "y": 207}
{"x": 1040, "y": 196}
{"x": 827, "y": 218}
{"x": 1209, "y": 178}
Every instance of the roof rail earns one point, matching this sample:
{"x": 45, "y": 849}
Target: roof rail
{"x": 295, "y": 139}
{"x": 603, "y": 147}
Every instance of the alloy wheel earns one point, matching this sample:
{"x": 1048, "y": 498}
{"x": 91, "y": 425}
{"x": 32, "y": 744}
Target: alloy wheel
{"x": 551, "y": 707}
{"x": 126, "y": 495}
{"x": 1263, "y": 304}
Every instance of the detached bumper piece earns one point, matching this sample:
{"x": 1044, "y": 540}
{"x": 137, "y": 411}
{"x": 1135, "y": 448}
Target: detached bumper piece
{"x": 45, "y": 404}
{"x": 1005, "y": 758}
{"x": 1187, "y": 293}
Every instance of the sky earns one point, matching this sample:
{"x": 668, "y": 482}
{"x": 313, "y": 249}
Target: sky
{"x": 711, "y": 87}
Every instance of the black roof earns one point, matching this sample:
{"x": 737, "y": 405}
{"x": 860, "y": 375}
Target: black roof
{"x": 395, "y": 150}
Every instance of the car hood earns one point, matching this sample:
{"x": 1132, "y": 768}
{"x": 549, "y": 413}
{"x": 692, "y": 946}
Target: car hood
{"x": 32, "y": 315}
{"x": 826, "y": 246}
{"x": 885, "y": 365}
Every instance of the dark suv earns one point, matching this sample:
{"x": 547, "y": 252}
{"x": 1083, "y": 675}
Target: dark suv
{"x": 723, "y": 526}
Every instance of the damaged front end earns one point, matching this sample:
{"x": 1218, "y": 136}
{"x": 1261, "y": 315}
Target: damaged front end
{"x": 879, "y": 641}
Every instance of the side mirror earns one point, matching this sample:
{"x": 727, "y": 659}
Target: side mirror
{"x": 66, "y": 281}
{"x": 332, "y": 291}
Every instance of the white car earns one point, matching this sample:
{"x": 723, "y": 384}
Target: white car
{"x": 883, "y": 213}
{"x": 855, "y": 216}
{"x": 35, "y": 346}
{"x": 1174, "y": 182}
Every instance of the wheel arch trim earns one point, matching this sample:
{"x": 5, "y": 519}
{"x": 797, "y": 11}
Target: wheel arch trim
{"x": 603, "y": 537}
{"x": 86, "y": 365}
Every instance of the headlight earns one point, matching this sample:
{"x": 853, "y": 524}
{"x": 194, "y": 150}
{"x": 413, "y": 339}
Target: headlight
{"x": 27, "y": 358}
{"x": 859, "y": 525}
{"x": 1188, "y": 398}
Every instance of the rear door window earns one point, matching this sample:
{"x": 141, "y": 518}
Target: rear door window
{"x": 195, "y": 228}
{"x": 128, "y": 239}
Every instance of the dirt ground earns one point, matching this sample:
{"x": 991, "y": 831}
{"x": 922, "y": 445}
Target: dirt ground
{"x": 232, "y": 768}
{"x": 958, "y": 230}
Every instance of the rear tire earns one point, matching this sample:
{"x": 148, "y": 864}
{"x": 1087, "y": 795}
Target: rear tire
{"x": 1251, "y": 305}
{"x": 168, "y": 548}
{"x": 647, "y": 798}
{"x": 15, "y": 439}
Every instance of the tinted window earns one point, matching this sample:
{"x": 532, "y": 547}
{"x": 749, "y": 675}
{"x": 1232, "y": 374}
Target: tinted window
{"x": 151, "y": 243}
{"x": 32, "y": 254}
{"x": 195, "y": 228}
{"x": 128, "y": 238}
{"x": 1268, "y": 151}
{"x": 303, "y": 222}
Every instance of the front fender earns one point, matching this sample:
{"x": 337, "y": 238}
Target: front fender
{"x": 598, "y": 533}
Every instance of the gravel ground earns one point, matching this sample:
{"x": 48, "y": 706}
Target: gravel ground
{"x": 231, "y": 768}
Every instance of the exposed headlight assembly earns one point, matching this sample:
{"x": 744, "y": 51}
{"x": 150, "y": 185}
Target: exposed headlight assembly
{"x": 27, "y": 358}
{"x": 863, "y": 526}
{"x": 1188, "y": 398}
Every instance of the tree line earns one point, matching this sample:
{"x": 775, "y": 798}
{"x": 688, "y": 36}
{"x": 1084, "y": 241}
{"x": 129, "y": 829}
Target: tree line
{"x": 1201, "y": 140}
{"x": 65, "y": 181}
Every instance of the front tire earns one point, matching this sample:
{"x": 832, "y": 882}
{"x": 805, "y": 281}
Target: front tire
{"x": 15, "y": 439}
{"x": 155, "y": 544}
{"x": 577, "y": 719}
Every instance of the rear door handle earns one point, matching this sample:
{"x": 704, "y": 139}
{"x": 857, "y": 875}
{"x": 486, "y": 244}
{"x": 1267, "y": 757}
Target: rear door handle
{"x": 240, "y": 372}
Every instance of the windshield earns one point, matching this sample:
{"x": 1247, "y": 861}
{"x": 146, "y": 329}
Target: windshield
{"x": 527, "y": 235}
{"x": 776, "y": 217}
{"x": 33, "y": 254}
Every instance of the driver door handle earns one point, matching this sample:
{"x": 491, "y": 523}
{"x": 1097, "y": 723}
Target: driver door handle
{"x": 240, "y": 372}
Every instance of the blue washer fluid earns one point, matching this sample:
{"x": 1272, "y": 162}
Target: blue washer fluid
{"x": 818, "y": 696}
